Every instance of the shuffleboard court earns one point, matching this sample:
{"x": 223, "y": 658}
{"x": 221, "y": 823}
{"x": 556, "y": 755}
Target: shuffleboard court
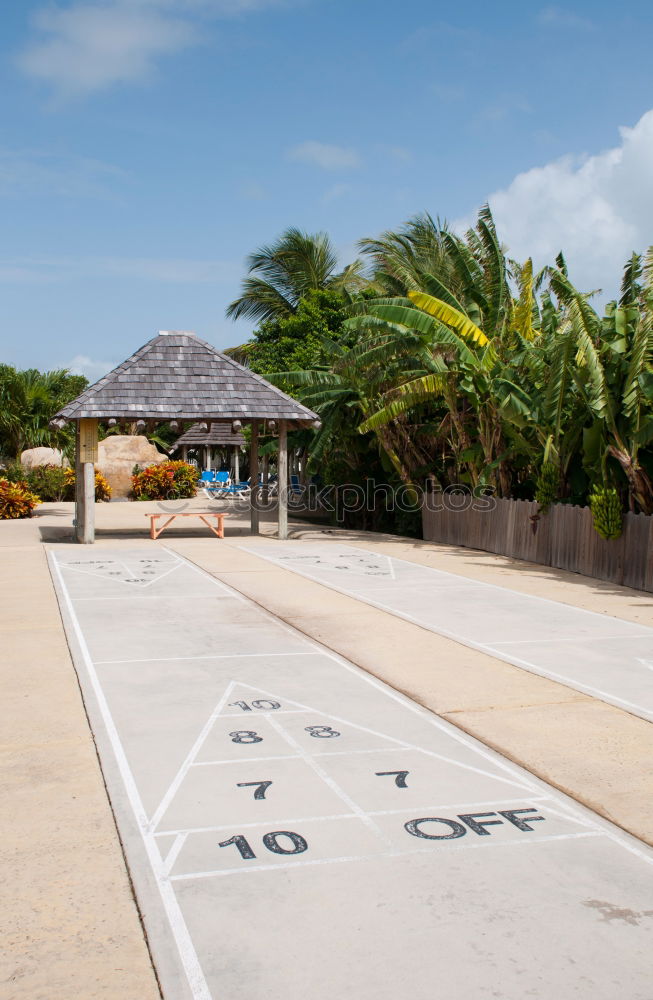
{"x": 295, "y": 828}
{"x": 605, "y": 657}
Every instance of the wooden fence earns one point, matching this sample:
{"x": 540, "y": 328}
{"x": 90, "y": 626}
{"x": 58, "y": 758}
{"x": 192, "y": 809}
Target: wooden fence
{"x": 564, "y": 538}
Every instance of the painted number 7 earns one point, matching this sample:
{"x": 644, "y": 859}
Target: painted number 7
{"x": 260, "y": 786}
{"x": 399, "y": 776}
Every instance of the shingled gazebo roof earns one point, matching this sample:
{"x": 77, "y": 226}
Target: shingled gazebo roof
{"x": 178, "y": 376}
{"x": 216, "y": 434}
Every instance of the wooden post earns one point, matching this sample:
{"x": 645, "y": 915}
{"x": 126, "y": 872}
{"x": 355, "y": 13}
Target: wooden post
{"x": 79, "y": 489}
{"x": 85, "y": 459}
{"x": 184, "y": 452}
{"x": 283, "y": 479}
{"x": 208, "y": 457}
{"x": 253, "y": 478}
{"x": 236, "y": 464}
{"x": 265, "y": 477}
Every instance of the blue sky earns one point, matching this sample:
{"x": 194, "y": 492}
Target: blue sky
{"x": 148, "y": 145}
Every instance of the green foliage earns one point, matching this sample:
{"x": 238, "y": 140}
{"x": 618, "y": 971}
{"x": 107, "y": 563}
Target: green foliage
{"x": 16, "y": 500}
{"x": 28, "y": 401}
{"x": 281, "y": 274}
{"x": 14, "y": 472}
{"x": 606, "y": 511}
{"x": 102, "y": 488}
{"x": 51, "y": 483}
{"x": 547, "y": 486}
{"x": 299, "y": 341}
{"x": 165, "y": 481}
{"x": 459, "y": 363}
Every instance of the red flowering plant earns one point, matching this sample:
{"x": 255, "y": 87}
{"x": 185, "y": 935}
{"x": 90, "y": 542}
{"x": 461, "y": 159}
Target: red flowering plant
{"x": 166, "y": 481}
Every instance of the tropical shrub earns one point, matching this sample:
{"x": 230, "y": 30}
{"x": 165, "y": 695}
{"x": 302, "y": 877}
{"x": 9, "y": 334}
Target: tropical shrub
{"x": 16, "y": 500}
{"x": 165, "y": 481}
{"x": 14, "y": 472}
{"x": 102, "y": 488}
{"x": 50, "y": 482}
{"x": 606, "y": 511}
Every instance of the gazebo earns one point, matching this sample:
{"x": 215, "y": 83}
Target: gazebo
{"x": 178, "y": 378}
{"x": 207, "y": 437}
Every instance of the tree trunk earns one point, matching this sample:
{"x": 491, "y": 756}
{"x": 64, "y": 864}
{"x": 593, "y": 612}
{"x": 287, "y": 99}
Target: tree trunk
{"x": 639, "y": 484}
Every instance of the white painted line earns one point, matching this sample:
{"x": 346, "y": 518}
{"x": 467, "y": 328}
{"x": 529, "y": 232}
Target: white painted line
{"x": 242, "y": 760}
{"x": 401, "y": 744}
{"x": 446, "y": 727}
{"x": 258, "y": 823}
{"x": 173, "y": 853}
{"x": 506, "y": 656}
{"x": 383, "y": 854}
{"x": 351, "y": 815}
{"x": 294, "y": 756}
{"x": 133, "y": 596}
{"x": 212, "y": 656}
{"x": 187, "y": 953}
{"x": 606, "y": 696}
{"x": 574, "y": 638}
{"x": 98, "y": 575}
{"x": 192, "y": 753}
{"x": 327, "y": 779}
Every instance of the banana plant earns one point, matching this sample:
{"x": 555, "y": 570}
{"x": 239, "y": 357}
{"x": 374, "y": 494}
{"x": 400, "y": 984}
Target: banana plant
{"x": 613, "y": 372}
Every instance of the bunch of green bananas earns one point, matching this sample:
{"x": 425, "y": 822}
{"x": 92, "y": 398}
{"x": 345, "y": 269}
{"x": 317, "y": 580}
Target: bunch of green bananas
{"x": 606, "y": 511}
{"x": 546, "y": 488}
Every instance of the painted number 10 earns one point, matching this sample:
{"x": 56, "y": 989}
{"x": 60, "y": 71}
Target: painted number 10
{"x": 270, "y": 840}
{"x": 261, "y": 705}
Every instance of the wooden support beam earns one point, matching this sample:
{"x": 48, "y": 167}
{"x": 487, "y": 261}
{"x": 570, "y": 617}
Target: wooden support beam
{"x": 283, "y": 479}
{"x": 236, "y": 464}
{"x": 86, "y": 454}
{"x": 253, "y": 478}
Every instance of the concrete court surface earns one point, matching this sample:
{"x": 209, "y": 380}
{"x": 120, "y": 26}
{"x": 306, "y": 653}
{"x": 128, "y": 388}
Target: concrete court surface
{"x": 294, "y": 826}
{"x": 605, "y": 657}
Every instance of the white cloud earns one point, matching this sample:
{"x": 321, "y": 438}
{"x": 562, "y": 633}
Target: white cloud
{"x": 324, "y": 155}
{"x": 596, "y": 209}
{"x": 95, "y": 44}
{"x": 88, "y": 47}
{"x": 81, "y": 364}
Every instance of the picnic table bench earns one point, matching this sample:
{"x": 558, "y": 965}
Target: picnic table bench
{"x": 217, "y": 529}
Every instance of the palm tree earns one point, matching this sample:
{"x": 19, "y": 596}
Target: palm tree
{"x": 400, "y": 259}
{"x": 28, "y": 401}
{"x": 281, "y": 273}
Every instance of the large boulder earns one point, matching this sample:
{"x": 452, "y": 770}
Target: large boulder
{"x": 117, "y": 456}
{"x": 34, "y": 457}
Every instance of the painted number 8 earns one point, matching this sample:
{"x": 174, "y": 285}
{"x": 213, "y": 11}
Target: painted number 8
{"x": 322, "y": 732}
{"x": 245, "y": 736}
